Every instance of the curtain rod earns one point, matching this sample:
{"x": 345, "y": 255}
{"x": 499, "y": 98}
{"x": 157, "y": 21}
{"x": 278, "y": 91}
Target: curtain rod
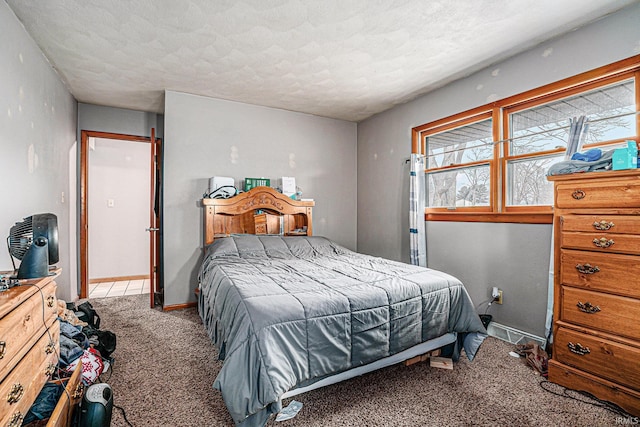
{"x": 635, "y": 113}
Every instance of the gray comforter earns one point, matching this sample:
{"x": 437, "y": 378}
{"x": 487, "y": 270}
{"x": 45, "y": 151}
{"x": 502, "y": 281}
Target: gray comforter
{"x": 288, "y": 311}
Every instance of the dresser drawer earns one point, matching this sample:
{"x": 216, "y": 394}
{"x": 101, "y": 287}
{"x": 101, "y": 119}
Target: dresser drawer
{"x": 63, "y": 413}
{"x": 608, "y": 194}
{"x": 572, "y": 378}
{"x": 609, "y": 313}
{"x": 20, "y": 328}
{"x": 20, "y": 388}
{"x": 613, "y": 361}
{"x": 613, "y": 224}
{"x": 11, "y": 299}
{"x": 612, "y": 273}
{"x": 602, "y": 242}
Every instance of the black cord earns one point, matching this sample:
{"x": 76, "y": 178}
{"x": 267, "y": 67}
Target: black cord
{"x": 490, "y": 301}
{"x": 593, "y": 401}
{"x": 111, "y": 362}
{"x": 219, "y": 194}
{"x": 13, "y": 262}
{"x": 489, "y": 305}
{"x": 124, "y": 414}
{"x": 51, "y": 340}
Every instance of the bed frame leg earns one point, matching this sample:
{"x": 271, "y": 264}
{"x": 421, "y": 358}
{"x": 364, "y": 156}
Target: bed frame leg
{"x": 422, "y": 358}
{"x": 441, "y": 362}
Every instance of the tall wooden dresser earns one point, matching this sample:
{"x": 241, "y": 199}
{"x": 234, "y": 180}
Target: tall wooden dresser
{"x": 596, "y": 345}
{"x": 29, "y": 345}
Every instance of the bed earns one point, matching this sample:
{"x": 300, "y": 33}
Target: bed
{"x": 289, "y": 312}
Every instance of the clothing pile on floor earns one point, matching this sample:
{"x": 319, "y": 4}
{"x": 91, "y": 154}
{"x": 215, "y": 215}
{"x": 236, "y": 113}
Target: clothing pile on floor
{"x": 81, "y": 341}
{"x": 535, "y": 357}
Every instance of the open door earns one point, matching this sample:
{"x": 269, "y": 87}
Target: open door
{"x": 155, "y": 292}
{"x": 155, "y": 215}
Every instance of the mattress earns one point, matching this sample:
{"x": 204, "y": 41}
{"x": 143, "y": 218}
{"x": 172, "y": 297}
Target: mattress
{"x": 286, "y": 312}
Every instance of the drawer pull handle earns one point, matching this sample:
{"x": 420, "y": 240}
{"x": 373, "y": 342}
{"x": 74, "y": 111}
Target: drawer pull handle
{"x": 578, "y": 194}
{"x": 27, "y": 318}
{"x": 3, "y": 348}
{"x": 50, "y": 301}
{"x": 79, "y": 391}
{"x": 578, "y": 349}
{"x": 16, "y": 420}
{"x": 603, "y": 242}
{"x": 50, "y": 348}
{"x": 588, "y": 308}
{"x": 15, "y": 394}
{"x": 603, "y": 225}
{"x": 587, "y": 269}
{"x": 50, "y": 369}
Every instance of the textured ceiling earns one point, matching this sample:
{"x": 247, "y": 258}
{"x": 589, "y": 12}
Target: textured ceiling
{"x": 344, "y": 59}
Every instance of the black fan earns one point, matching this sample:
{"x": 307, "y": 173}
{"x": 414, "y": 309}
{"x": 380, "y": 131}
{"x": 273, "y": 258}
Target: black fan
{"x": 34, "y": 242}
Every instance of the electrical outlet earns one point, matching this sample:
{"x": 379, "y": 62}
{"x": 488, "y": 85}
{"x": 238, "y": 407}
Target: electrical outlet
{"x": 495, "y": 292}
{"x": 499, "y": 301}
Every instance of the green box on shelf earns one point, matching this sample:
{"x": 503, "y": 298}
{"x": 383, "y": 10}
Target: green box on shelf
{"x": 250, "y": 183}
{"x": 625, "y": 158}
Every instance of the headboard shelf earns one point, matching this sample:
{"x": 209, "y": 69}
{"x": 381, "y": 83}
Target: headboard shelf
{"x": 261, "y": 210}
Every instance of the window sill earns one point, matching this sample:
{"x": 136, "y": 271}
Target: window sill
{"x": 510, "y": 217}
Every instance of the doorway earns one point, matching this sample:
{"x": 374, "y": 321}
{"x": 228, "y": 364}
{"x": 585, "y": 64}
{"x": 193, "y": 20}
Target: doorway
{"x": 119, "y": 232}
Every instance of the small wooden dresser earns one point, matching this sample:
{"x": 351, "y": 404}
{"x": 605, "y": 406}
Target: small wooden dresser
{"x": 596, "y": 344}
{"x": 29, "y": 345}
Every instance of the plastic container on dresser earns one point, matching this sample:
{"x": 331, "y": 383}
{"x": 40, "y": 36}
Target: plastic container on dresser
{"x": 596, "y": 330}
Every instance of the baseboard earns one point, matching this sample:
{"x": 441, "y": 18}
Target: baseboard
{"x": 512, "y": 335}
{"x": 119, "y": 278}
{"x": 178, "y": 306}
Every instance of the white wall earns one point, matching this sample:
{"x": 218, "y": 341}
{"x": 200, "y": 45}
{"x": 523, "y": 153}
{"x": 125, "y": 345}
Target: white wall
{"x": 37, "y": 142}
{"x": 472, "y": 250}
{"x": 206, "y": 137}
{"x": 118, "y": 120}
{"x": 118, "y": 243}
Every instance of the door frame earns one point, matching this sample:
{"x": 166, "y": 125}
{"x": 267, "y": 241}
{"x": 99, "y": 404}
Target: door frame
{"x": 84, "y": 206}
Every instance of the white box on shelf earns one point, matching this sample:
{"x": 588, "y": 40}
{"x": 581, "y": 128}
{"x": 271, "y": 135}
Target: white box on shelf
{"x": 288, "y": 186}
{"x": 217, "y": 182}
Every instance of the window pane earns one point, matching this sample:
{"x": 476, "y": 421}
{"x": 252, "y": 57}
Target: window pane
{"x": 459, "y": 187}
{"x": 610, "y": 110}
{"x": 527, "y": 181}
{"x": 465, "y": 144}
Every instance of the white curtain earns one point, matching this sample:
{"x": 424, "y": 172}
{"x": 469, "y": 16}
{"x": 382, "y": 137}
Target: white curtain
{"x": 417, "y": 233}
{"x": 577, "y": 133}
{"x": 548, "y": 324}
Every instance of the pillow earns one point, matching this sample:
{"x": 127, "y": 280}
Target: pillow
{"x": 222, "y": 246}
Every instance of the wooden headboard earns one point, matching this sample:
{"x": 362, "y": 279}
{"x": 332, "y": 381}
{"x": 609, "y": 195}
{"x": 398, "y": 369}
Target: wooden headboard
{"x": 261, "y": 210}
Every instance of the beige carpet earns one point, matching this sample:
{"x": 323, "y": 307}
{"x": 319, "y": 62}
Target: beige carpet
{"x": 165, "y": 366}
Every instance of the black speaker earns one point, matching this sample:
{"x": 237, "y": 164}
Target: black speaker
{"x": 96, "y": 406}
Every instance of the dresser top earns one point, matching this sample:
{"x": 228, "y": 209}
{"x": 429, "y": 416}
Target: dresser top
{"x": 596, "y": 175}
{"x": 14, "y": 296}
